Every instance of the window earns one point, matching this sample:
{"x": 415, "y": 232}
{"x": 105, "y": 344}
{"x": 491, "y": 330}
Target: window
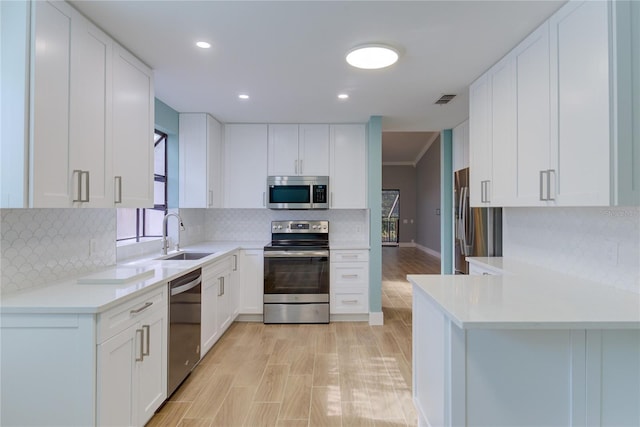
{"x": 137, "y": 224}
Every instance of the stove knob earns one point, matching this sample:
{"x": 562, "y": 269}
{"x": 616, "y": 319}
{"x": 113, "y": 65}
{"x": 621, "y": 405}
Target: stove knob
{"x": 279, "y": 227}
{"x": 274, "y": 227}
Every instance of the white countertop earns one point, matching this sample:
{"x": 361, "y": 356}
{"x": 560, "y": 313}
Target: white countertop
{"x": 530, "y": 298}
{"x": 68, "y": 296}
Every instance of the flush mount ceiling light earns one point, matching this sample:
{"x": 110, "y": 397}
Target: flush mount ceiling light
{"x": 343, "y": 96}
{"x": 372, "y": 56}
{"x": 203, "y": 45}
{"x": 243, "y": 96}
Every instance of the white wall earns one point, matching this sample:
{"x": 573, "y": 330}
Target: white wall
{"x": 601, "y": 244}
{"x": 39, "y": 246}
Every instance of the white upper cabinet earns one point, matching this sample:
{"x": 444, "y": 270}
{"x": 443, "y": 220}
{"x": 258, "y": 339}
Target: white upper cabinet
{"x": 89, "y": 113}
{"x": 245, "y": 165}
{"x": 533, "y": 127}
{"x": 133, "y": 130}
{"x": 298, "y": 149}
{"x": 480, "y": 155}
{"x": 562, "y": 130}
{"x": 460, "y": 137}
{"x": 200, "y": 179}
{"x": 51, "y": 181}
{"x": 348, "y": 165}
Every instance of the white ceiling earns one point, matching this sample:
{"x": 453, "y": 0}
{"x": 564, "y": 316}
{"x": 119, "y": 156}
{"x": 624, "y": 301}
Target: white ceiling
{"x": 289, "y": 56}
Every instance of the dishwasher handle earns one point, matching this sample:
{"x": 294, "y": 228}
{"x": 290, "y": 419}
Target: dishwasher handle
{"x": 188, "y": 286}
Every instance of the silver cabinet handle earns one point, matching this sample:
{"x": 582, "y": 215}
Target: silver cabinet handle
{"x": 82, "y": 174}
{"x": 144, "y": 307}
{"x": 349, "y": 276}
{"x": 349, "y": 301}
{"x": 235, "y": 263}
{"x": 118, "y": 189}
{"x": 220, "y": 286}
{"x": 549, "y": 172}
{"x": 487, "y": 192}
{"x": 542, "y": 174}
{"x": 482, "y": 200}
{"x": 349, "y": 256}
{"x": 264, "y": 199}
{"x": 146, "y": 329}
{"x": 301, "y": 167}
{"x": 223, "y": 287}
{"x": 141, "y": 358}
{"x": 295, "y": 167}
{"x": 331, "y": 201}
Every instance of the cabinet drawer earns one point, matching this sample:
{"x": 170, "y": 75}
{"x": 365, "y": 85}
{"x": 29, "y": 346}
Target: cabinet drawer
{"x": 350, "y": 274}
{"x": 350, "y": 300}
{"x": 476, "y": 270}
{"x": 119, "y": 318}
{"x": 349, "y": 255}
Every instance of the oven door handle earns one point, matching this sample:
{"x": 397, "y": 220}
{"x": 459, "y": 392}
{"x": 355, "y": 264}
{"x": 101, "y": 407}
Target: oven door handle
{"x": 296, "y": 254}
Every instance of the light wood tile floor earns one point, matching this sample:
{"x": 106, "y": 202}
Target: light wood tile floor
{"x": 341, "y": 374}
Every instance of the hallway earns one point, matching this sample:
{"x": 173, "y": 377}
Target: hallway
{"x": 341, "y": 374}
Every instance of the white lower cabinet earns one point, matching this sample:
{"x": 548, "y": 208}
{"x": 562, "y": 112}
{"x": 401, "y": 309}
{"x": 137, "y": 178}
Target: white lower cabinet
{"x": 75, "y": 369}
{"x": 219, "y": 300}
{"x": 349, "y": 287}
{"x": 251, "y": 280}
{"x": 132, "y": 364}
{"x": 476, "y": 270}
{"x": 522, "y": 377}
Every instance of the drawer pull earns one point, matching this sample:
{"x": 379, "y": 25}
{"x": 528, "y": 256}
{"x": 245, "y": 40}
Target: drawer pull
{"x": 141, "y": 358}
{"x": 350, "y": 256}
{"x": 349, "y": 301}
{"x": 349, "y": 276}
{"x": 144, "y": 307}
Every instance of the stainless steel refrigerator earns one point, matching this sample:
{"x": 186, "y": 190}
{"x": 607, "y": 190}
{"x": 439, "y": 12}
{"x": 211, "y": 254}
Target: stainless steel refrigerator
{"x": 477, "y": 231}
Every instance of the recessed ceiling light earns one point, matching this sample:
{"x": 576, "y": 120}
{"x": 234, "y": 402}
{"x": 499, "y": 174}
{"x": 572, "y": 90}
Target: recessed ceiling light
{"x": 203, "y": 45}
{"x": 243, "y": 96}
{"x": 372, "y": 56}
{"x": 343, "y": 96}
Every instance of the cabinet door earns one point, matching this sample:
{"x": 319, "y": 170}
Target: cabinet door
{"x": 49, "y": 143}
{"x": 214, "y": 165}
{"x": 580, "y": 100}
{"x": 193, "y": 173}
{"x": 532, "y": 64}
{"x": 348, "y": 177}
{"x": 152, "y": 370}
{"x": 117, "y": 378}
{"x": 283, "y": 150}
{"x": 245, "y": 165}
{"x": 234, "y": 287}
{"x": 251, "y": 281}
{"x": 460, "y": 138}
{"x": 480, "y": 154}
{"x": 313, "y": 149}
{"x": 504, "y": 133}
{"x": 90, "y": 115}
{"x": 133, "y": 129}
{"x": 209, "y": 320}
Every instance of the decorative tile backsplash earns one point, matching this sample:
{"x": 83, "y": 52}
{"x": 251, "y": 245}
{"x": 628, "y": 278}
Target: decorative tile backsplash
{"x": 38, "y": 246}
{"x": 251, "y": 225}
{"x": 601, "y": 244}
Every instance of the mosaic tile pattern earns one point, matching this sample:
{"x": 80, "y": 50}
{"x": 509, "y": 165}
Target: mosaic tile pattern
{"x": 601, "y": 244}
{"x": 39, "y": 246}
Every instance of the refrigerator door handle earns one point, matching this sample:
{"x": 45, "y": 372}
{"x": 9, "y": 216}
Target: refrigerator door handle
{"x": 463, "y": 222}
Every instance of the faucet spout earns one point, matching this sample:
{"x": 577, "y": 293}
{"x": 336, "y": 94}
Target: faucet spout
{"x": 165, "y": 244}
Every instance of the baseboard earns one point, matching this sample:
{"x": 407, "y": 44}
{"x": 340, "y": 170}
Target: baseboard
{"x": 407, "y": 244}
{"x": 376, "y": 318}
{"x": 428, "y": 251}
{"x": 360, "y": 317}
{"x": 249, "y": 318}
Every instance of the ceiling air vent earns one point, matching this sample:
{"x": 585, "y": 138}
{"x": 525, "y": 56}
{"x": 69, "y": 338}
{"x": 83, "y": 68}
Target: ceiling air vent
{"x": 445, "y": 99}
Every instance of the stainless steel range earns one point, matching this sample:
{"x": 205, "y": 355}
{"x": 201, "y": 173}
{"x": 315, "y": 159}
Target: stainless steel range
{"x": 296, "y": 273}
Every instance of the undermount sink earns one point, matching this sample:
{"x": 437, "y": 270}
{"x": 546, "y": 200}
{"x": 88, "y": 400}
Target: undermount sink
{"x": 186, "y": 256}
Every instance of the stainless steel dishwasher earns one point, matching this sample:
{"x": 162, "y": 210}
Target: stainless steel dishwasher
{"x": 184, "y": 327}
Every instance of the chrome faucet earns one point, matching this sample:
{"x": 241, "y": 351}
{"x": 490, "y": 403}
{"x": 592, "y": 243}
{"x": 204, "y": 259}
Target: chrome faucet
{"x": 165, "y": 244}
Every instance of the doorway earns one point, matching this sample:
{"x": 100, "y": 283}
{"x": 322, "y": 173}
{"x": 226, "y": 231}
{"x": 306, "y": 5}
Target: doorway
{"x": 390, "y": 217}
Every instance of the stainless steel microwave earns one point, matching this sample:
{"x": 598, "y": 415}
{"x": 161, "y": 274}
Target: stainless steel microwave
{"x": 298, "y": 192}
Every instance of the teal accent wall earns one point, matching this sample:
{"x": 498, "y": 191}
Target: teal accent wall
{"x": 374, "y": 197}
{"x": 167, "y": 120}
{"x": 446, "y": 202}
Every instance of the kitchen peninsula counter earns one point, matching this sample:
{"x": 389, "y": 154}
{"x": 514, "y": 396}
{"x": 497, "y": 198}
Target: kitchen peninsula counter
{"x": 520, "y": 349}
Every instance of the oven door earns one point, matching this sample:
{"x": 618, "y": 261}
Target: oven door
{"x": 299, "y": 275}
